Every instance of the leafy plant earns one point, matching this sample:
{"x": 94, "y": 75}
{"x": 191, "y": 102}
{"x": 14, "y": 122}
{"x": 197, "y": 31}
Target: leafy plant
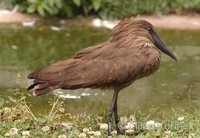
{"x": 43, "y": 7}
{"x": 59, "y": 7}
{"x": 103, "y": 8}
{"x": 6, "y": 4}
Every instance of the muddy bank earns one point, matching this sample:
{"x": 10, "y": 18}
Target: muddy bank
{"x": 13, "y": 17}
{"x": 167, "y": 21}
{"x": 174, "y": 21}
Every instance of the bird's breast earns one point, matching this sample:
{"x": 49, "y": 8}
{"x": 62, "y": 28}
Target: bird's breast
{"x": 151, "y": 62}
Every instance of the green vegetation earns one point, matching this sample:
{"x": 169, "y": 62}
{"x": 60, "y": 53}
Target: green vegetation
{"x": 103, "y": 8}
{"x": 18, "y": 120}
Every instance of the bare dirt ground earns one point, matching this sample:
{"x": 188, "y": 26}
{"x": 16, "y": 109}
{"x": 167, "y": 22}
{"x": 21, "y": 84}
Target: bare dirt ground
{"x": 12, "y": 17}
{"x": 174, "y": 21}
{"x": 167, "y": 21}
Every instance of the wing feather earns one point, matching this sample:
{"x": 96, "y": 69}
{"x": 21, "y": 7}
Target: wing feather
{"x": 99, "y": 71}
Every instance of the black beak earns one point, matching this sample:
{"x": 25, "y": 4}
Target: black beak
{"x": 161, "y": 45}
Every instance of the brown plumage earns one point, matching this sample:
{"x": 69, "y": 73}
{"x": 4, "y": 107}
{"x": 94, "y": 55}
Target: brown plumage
{"x": 130, "y": 54}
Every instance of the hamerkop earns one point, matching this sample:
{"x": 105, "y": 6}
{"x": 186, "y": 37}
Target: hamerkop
{"x": 131, "y": 52}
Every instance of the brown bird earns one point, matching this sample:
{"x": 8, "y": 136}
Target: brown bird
{"x": 132, "y": 52}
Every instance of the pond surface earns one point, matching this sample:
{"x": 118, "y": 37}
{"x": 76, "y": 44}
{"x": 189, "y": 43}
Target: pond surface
{"x": 25, "y": 49}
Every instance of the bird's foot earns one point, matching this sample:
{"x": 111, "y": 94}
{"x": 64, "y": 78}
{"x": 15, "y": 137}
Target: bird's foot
{"x": 109, "y": 128}
{"x": 119, "y": 132}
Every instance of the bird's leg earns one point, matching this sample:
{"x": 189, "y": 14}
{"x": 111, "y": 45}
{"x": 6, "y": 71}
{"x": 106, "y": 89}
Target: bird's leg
{"x": 116, "y": 114}
{"x": 110, "y": 112}
{"x": 113, "y": 107}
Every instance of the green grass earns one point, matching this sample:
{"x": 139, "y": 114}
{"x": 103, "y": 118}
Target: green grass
{"x": 17, "y": 120}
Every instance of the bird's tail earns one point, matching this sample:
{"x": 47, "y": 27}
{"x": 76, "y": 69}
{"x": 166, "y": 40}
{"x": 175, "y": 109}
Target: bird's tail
{"x": 41, "y": 87}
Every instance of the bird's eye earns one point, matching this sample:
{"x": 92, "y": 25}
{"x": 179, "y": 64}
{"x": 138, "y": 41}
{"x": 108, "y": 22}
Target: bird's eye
{"x": 148, "y": 28}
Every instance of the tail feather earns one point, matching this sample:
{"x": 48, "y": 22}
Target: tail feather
{"x": 41, "y": 87}
{"x": 32, "y": 86}
{"x": 42, "y": 91}
{"x": 32, "y": 75}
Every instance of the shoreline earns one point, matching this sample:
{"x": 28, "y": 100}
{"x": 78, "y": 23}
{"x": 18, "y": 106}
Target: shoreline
{"x": 166, "y": 21}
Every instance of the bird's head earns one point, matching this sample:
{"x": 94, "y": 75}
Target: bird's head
{"x": 156, "y": 39}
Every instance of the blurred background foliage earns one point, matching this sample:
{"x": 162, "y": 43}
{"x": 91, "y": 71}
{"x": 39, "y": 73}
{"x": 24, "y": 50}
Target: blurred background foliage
{"x": 106, "y": 9}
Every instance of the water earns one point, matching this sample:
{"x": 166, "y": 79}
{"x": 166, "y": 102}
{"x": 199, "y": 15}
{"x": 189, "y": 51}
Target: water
{"x": 25, "y": 49}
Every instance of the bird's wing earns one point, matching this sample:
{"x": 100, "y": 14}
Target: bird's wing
{"x": 69, "y": 71}
{"x": 99, "y": 66}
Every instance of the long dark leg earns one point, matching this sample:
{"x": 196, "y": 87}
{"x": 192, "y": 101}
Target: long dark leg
{"x": 113, "y": 107}
{"x": 116, "y": 114}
